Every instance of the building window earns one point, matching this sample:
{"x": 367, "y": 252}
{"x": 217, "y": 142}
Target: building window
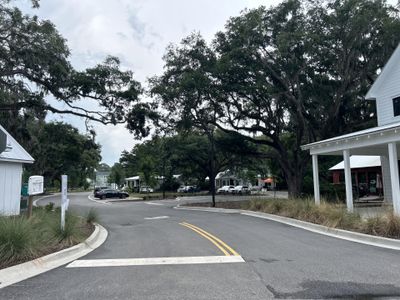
{"x": 396, "y": 106}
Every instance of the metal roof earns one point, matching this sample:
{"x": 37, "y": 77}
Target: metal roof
{"x": 359, "y": 161}
{"x": 373, "y": 130}
{"x": 14, "y": 151}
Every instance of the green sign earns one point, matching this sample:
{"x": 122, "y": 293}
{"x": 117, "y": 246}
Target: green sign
{"x": 24, "y": 189}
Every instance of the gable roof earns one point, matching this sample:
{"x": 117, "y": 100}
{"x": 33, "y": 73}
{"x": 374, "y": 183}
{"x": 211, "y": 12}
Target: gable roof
{"x": 391, "y": 64}
{"x": 14, "y": 152}
{"x": 359, "y": 161}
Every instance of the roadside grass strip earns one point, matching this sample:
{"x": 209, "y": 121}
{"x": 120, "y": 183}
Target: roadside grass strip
{"x": 227, "y": 250}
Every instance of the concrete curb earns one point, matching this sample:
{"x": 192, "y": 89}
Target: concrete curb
{"x": 44, "y": 197}
{"x": 46, "y": 263}
{"x": 356, "y": 237}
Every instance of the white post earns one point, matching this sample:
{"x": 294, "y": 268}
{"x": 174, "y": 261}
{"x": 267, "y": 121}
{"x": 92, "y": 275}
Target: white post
{"x": 317, "y": 196}
{"x": 347, "y": 179}
{"x": 394, "y": 177}
{"x": 64, "y": 200}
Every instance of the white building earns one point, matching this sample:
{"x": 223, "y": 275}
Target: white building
{"x": 229, "y": 177}
{"x": 382, "y": 140}
{"x": 102, "y": 178}
{"x": 12, "y": 157}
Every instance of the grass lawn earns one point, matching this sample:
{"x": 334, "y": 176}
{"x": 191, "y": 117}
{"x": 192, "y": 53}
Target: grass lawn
{"x": 23, "y": 239}
{"x": 327, "y": 214}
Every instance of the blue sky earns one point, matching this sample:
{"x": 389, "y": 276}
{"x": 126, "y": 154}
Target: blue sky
{"x": 135, "y": 31}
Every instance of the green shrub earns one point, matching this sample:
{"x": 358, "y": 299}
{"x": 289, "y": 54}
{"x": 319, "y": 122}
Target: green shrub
{"x": 49, "y": 207}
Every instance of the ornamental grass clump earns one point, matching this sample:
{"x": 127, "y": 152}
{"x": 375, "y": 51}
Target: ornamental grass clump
{"x": 332, "y": 215}
{"x": 23, "y": 239}
{"x": 92, "y": 216}
{"x": 72, "y": 233}
{"x": 387, "y": 225}
{"x": 18, "y": 240}
{"x": 329, "y": 214}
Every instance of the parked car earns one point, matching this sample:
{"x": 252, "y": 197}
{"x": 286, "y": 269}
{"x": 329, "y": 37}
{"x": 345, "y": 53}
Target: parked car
{"x": 146, "y": 189}
{"x": 99, "y": 188}
{"x": 188, "y": 189}
{"x": 181, "y": 189}
{"x": 110, "y": 193}
{"x": 241, "y": 190}
{"x": 226, "y": 189}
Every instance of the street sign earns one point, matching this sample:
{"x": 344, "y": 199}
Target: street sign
{"x": 35, "y": 185}
{"x": 64, "y": 199}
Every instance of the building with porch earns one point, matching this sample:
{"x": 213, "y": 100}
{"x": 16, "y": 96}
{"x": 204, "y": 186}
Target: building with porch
{"x": 12, "y": 158}
{"x": 380, "y": 141}
{"x": 366, "y": 175}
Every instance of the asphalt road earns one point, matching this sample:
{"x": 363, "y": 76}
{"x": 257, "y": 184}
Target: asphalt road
{"x": 280, "y": 261}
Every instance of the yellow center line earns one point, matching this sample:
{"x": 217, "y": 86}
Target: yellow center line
{"x": 216, "y": 241}
{"x": 208, "y": 238}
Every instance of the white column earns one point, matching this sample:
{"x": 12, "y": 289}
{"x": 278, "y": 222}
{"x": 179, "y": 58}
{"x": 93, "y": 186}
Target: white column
{"x": 394, "y": 177}
{"x": 317, "y": 196}
{"x": 347, "y": 179}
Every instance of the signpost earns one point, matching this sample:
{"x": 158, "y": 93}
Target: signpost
{"x": 35, "y": 187}
{"x": 64, "y": 199}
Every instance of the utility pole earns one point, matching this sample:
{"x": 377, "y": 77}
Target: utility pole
{"x": 163, "y": 167}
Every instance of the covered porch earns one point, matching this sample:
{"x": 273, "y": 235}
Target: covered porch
{"x": 382, "y": 141}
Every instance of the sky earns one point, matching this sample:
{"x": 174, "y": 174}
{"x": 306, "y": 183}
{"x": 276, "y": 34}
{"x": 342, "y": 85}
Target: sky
{"x": 136, "y": 31}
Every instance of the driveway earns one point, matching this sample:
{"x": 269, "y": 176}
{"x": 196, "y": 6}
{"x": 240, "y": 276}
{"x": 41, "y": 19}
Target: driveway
{"x": 157, "y": 252}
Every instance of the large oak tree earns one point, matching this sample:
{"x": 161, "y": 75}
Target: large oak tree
{"x": 284, "y": 76}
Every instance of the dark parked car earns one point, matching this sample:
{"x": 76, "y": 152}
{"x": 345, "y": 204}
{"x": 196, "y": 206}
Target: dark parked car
{"x": 110, "y": 193}
{"x": 100, "y": 188}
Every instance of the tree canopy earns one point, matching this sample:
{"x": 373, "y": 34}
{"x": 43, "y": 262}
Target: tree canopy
{"x": 283, "y": 76}
{"x": 59, "y": 148}
{"x": 35, "y": 67}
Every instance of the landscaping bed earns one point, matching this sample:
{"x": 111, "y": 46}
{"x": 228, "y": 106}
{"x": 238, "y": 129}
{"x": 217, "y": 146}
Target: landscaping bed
{"x": 23, "y": 239}
{"x": 327, "y": 214}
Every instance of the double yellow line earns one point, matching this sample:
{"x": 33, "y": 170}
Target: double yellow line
{"x": 228, "y": 251}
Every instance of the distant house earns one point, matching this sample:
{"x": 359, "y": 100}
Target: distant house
{"x": 229, "y": 177}
{"x": 135, "y": 182}
{"x": 366, "y": 174}
{"x": 380, "y": 141}
{"x": 102, "y": 178}
{"x": 12, "y": 158}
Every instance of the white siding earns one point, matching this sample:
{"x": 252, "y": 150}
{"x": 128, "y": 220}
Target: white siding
{"x": 10, "y": 187}
{"x": 389, "y": 89}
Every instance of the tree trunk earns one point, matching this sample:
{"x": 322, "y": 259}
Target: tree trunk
{"x": 295, "y": 183}
{"x": 293, "y": 171}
